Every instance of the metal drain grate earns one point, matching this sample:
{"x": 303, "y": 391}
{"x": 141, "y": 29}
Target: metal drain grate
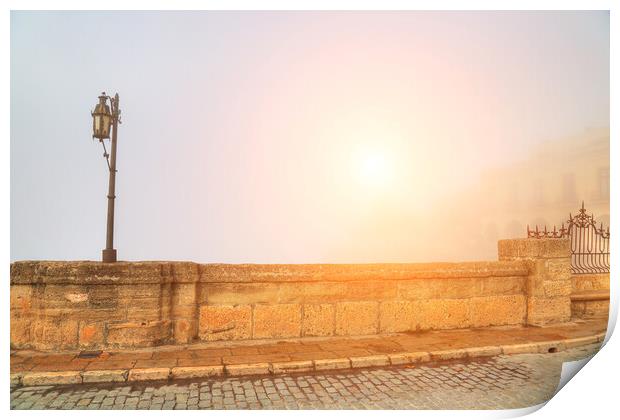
{"x": 92, "y": 354}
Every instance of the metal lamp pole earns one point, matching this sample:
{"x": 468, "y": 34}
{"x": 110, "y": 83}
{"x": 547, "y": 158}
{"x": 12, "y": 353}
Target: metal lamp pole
{"x": 109, "y": 253}
{"x": 103, "y": 118}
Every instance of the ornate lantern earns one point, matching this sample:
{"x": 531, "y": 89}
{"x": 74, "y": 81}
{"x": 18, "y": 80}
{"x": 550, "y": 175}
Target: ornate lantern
{"x": 102, "y": 119}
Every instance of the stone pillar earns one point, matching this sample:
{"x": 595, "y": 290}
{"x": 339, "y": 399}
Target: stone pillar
{"x": 183, "y": 307}
{"x": 548, "y": 285}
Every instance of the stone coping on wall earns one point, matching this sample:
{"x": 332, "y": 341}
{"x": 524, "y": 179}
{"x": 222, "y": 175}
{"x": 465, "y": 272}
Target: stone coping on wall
{"x": 162, "y": 272}
{"x": 29, "y": 368}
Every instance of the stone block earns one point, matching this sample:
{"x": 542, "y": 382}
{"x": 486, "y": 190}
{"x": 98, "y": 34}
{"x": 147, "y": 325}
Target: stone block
{"x": 51, "y": 378}
{"x": 509, "y": 249}
{"x": 596, "y": 308}
{"x": 396, "y": 316}
{"x": 520, "y": 348}
{"x": 240, "y": 293}
{"x": 438, "y": 288}
{"x": 21, "y": 298}
{"x": 448, "y": 354}
{"x": 91, "y": 335}
{"x": 580, "y": 341}
{"x": 225, "y": 322}
{"x": 291, "y": 367}
{"x": 318, "y": 320}
{"x": 558, "y": 269}
{"x": 312, "y": 292}
{"x": 399, "y": 359}
{"x": 419, "y": 356}
{"x": 485, "y": 351}
{"x": 16, "y": 379}
{"x": 553, "y": 346}
{"x": 20, "y": 331}
{"x": 558, "y": 288}
{"x": 329, "y": 364}
{"x": 138, "y": 334}
{"x": 197, "y": 372}
{"x": 409, "y": 357}
{"x": 442, "y": 314}
{"x": 184, "y": 330}
{"x": 55, "y": 333}
{"x": 248, "y": 369}
{"x": 94, "y": 376}
{"x": 498, "y": 310}
{"x": 277, "y": 321}
{"x": 496, "y": 286}
{"x": 148, "y": 374}
{"x": 370, "y": 290}
{"x": 368, "y": 361}
{"x": 588, "y": 282}
{"x": 357, "y": 318}
{"x": 543, "y": 311}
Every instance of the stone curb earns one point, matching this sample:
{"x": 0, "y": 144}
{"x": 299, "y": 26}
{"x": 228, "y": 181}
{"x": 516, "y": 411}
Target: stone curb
{"x": 391, "y": 359}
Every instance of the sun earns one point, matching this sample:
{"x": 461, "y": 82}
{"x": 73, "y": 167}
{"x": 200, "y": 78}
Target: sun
{"x": 374, "y": 167}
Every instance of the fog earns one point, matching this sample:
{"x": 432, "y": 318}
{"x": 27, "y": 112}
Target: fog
{"x": 306, "y": 137}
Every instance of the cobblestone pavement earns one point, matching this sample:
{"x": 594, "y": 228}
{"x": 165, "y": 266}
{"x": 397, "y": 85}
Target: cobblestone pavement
{"x": 484, "y": 383}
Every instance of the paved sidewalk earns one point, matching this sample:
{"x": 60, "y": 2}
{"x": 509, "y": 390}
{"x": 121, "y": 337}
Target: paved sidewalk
{"x": 499, "y": 382}
{"x": 300, "y": 355}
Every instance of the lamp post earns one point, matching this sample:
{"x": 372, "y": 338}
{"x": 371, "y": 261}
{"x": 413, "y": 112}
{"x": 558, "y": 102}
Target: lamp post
{"x": 104, "y": 117}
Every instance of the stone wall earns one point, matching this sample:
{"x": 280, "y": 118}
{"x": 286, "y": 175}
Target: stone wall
{"x": 548, "y": 285}
{"x": 590, "y": 295}
{"x": 91, "y": 305}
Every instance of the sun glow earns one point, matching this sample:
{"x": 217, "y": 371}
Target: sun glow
{"x": 374, "y": 167}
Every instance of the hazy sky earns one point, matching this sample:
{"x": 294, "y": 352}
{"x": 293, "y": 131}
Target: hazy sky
{"x": 282, "y": 136}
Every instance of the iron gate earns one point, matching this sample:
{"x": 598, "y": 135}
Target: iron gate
{"x": 589, "y": 243}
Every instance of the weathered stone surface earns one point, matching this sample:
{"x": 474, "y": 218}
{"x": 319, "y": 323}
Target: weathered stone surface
{"x": 51, "y": 378}
{"x": 328, "y": 364}
{"x": 138, "y": 334}
{"x": 91, "y": 334}
{"x": 197, "y": 372}
{"x": 16, "y": 379}
{"x": 55, "y": 333}
{"x": 357, "y": 318}
{"x": 21, "y": 297}
{"x": 520, "y": 348}
{"x": 148, "y": 374}
{"x": 20, "y": 332}
{"x": 498, "y": 310}
{"x": 318, "y": 320}
{"x": 494, "y": 286}
{"x": 558, "y": 288}
{"x": 240, "y": 293}
{"x": 248, "y": 369}
{"x": 277, "y": 321}
{"x": 93, "y": 376}
{"x": 442, "y": 314}
{"x": 290, "y": 367}
{"x": 543, "y": 311}
{"x": 533, "y": 248}
{"x": 225, "y": 322}
{"x": 82, "y": 305}
{"x": 396, "y": 316}
{"x": 367, "y": 361}
{"x": 484, "y": 351}
{"x": 448, "y": 354}
{"x": 588, "y": 282}
{"x": 551, "y": 346}
{"x": 313, "y": 292}
{"x": 452, "y": 288}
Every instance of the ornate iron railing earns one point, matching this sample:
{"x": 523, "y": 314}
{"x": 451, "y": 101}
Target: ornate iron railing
{"x": 589, "y": 243}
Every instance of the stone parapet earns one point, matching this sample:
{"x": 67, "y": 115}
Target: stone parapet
{"x": 90, "y": 305}
{"x": 549, "y": 285}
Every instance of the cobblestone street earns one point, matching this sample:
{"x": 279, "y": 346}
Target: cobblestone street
{"x": 485, "y": 383}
